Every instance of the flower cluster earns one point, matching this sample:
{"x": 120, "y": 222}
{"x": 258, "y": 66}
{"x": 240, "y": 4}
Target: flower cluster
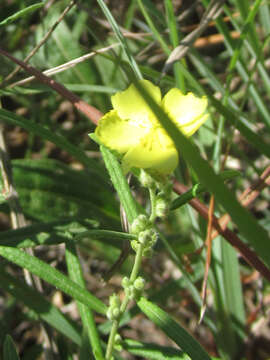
{"x": 146, "y": 235}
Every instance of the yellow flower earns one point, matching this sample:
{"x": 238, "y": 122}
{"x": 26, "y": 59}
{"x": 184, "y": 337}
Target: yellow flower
{"x": 133, "y": 130}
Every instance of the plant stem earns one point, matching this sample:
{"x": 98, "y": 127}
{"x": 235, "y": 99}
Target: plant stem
{"x": 152, "y": 193}
{"x": 115, "y": 325}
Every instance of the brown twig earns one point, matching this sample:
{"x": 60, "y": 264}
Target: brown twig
{"x": 89, "y": 111}
{"x": 249, "y": 255}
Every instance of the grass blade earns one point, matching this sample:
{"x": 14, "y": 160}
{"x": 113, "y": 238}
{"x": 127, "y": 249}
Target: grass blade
{"x": 36, "y": 302}
{"x": 19, "y": 14}
{"x": 120, "y": 38}
{"x": 173, "y": 330}
{"x": 52, "y": 276}
{"x": 75, "y": 274}
{"x": 120, "y": 183}
{"x": 9, "y": 350}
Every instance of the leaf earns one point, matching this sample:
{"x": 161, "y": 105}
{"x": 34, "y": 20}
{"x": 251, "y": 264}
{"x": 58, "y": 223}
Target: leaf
{"x": 41, "y": 234}
{"x": 24, "y": 12}
{"x": 120, "y": 183}
{"x": 52, "y": 276}
{"x": 36, "y": 302}
{"x": 47, "y": 183}
{"x": 173, "y": 330}
{"x": 153, "y": 351}
{"x": 9, "y": 351}
{"x": 120, "y": 38}
{"x": 75, "y": 274}
{"x": 198, "y": 189}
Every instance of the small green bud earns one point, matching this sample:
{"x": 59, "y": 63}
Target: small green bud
{"x": 113, "y": 311}
{"x": 118, "y": 343}
{"x": 140, "y": 224}
{"x": 125, "y": 282}
{"x": 117, "y": 339}
{"x": 130, "y": 292}
{"x": 146, "y": 180}
{"x": 148, "y": 252}
{"x": 114, "y": 300}
{"x": 109, "y": 314}
{"x": 139, "y": 283}
{"x": 162, "y": 207}
{"x": 147, "y": 236}
{"x": 135, "y": 245}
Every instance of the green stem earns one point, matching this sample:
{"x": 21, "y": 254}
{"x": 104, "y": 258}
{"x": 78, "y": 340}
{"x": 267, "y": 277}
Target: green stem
{"x": 115, "y": 325}
{"x": 152, "y": 193}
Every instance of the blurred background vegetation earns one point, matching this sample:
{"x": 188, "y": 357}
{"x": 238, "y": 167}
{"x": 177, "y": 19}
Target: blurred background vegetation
{"x": 62, "y": 184}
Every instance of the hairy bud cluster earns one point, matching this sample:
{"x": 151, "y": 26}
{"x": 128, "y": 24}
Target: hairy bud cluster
{"x": 113, "y": 311}
{"x": 146, "y": 235}
{"x": 133, "y": 289}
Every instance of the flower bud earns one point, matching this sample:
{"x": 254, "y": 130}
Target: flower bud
{"x": 139, "y": 224}
{"x": 125, "y": 282}
{"x": 162, "y": 207}
{"x": 147, "y": 180}
{"x": 139, "y": 283}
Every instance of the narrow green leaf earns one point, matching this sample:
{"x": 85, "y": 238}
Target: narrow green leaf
{"x": 41, "y": 234}
{"x": 153, "y": 28}
{"x": 52, "y": 276}
{"x": 24, "y": 12}
{"x": 76, "y": 275}
{"x": 233, "y": 291}
{"x": 120, "y": 183}
{"x": 105, "y": 234}
{"x": 9, "y": 350}
{"x": 120, "y": 38}
{"x": 173, "y": 330}
{"x": 152, "y": 351}
{"x": 47, "y": 183}
{"x": 199, "y": 188}
{"x": 36, "y": 302}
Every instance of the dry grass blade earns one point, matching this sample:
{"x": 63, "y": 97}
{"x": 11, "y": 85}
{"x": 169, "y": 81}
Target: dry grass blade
{"x": 66, "y": 66}
{"x": 89, "y": 111}
{"x": 43, "y": 40}
{"x": 212, "y": 12}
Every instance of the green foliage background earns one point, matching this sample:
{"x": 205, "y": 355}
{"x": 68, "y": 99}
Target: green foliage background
{"x": 65, "y": 191}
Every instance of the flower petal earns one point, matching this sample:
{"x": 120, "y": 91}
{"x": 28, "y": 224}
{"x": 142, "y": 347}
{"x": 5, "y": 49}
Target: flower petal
{"x": 155, "y": 152}
{"x": 187, "y": 111}
{"x": 118, "y": 134}
{"x": 131, "y": 105}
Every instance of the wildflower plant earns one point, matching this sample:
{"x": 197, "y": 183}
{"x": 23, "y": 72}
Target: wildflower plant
{"x": 132, "y": 130}
{"x": 142, "y": 139}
